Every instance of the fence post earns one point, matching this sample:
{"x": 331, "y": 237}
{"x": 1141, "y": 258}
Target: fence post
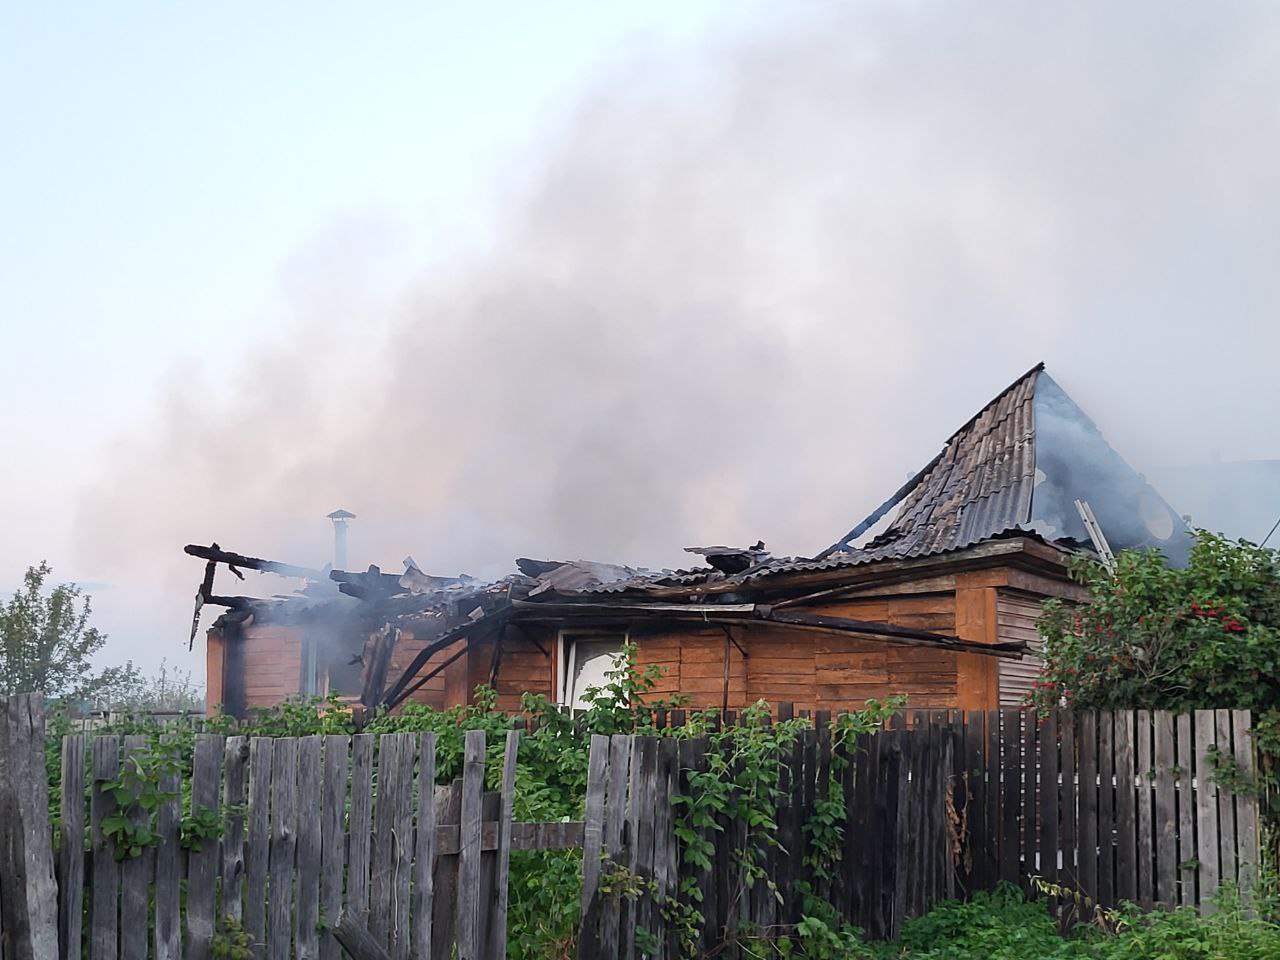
{"x": 28, "y": 892}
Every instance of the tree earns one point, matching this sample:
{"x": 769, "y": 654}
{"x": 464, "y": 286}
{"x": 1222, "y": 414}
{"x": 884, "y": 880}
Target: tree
{"x": 47, "y": 644}
{"x": 171, "y": 690}
{"x": 1159, "y": 637}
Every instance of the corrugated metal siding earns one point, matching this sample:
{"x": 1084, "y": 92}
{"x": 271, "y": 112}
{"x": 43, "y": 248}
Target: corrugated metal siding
{"x": 1016, "y": 618}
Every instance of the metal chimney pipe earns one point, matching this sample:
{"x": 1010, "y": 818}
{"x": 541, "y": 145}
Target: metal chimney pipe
{"x": 340, "y": 518}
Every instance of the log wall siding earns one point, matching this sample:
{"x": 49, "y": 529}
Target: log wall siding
{"x": 1016, "y": 616}
{"x": 813, "y": 670}
{"x": 272, "y": 663}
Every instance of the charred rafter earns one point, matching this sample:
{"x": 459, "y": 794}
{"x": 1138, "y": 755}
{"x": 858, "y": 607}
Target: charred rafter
{"x": 214, "y": 554}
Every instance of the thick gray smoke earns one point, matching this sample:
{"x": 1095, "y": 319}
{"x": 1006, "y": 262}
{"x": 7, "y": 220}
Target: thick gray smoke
{"x": 744, "y": 289}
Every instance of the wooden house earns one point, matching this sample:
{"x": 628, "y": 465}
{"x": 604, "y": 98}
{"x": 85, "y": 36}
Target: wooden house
{"x": 940, "y": 606}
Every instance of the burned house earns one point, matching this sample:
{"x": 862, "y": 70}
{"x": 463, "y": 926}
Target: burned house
{"x": 940, "y": 605}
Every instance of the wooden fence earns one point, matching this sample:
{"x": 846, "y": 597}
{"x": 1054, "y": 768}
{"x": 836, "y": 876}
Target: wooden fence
{"x": 1117, "y": 806}
{"x": 1145, "y": 806}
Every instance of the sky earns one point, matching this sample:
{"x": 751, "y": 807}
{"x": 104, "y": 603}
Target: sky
{"x": 600, "y": 280}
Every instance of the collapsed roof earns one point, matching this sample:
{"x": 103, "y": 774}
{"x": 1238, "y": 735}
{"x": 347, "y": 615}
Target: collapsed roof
{"x": 1014, "y": 470}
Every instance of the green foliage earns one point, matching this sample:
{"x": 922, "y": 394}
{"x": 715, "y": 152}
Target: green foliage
{"x": 231, "y": 941}
{"x": 1004, "y": 926}
{"x": 1157, "y": 637}
{"x": 47, "y": 645}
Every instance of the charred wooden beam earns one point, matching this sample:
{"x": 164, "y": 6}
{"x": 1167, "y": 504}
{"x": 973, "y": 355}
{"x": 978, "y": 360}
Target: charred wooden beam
{"x": 234, "y": 686}
{"x": 377, "y": 664}
{"x": 216, "y": 555}
{"x": 392, "y": 703}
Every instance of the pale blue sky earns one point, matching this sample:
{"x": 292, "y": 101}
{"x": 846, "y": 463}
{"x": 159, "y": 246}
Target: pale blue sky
{"x": 163, "y": 163}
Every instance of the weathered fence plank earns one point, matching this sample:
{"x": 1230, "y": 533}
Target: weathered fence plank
{"x": 445, "y": 882}
{"x": 1247, "y": 804}
{"x": 1206, "y": 811}
{"x": 168, "y": 897}
{"x": 1106, "y": 807}
{"x": 1186, "y": 758}
{"x": 1049, "y": 798}
{"x": 234, "y": 793}
{"x": 135, "y": 872}
{"x": 333, "y": 808}
{"x": 1226, "y": 799}
{"x": 1166, "y": 814}
{"x": 1069, "y": 870}
{"x": 1010, "y": 799}
{"x": 306, "y": 913}
{"x": 468, "y": 895}
{"x": 592, "y": 847}
{"x": 261, "y": 758}
{"x": 203, "y": 861}
{"x": 28, "y": 888}
{"x": 104, "y": 884}
{"x": 1087, "y": 733}
{"x": 360, "y": 825}
{"x": 402, "y": 847}
{"x": 284, "y": 842}
{"x": 1146, "y": 804}
{"x": 498, "y": 915}
{"x": 381, "y": 873}
{"x": 71, "y": 849}
{"x": 1126, "y": 809}
{"x": 424, "y": 856}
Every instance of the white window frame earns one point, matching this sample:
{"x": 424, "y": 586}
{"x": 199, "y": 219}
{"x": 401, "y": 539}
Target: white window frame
{"x": 566, "y": 642}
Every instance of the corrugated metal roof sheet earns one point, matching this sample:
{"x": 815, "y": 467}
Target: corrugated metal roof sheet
{"x": 979, "y": 487}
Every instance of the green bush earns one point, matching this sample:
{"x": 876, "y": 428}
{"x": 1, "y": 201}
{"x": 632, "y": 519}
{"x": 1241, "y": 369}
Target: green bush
{"x": 1004, "y": 926}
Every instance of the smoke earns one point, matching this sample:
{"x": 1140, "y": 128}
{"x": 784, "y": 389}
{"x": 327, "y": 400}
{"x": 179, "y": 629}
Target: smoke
{"x": 742, "y": 289}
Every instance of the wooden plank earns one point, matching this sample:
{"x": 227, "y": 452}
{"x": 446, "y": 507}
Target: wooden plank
{"x": 628, "y": 907}
{"x": 205, "y": 861}
{"x": 507, "y": 793}
{"x": 380, "y": 866}
{"x": 975, "y": 794}
{"x": 306, "y": 913}
{"x": 1186, "y": 753}
{"x": 284, "y": 842}
{"x": 28, "y": 885}
{"x": 592, "y": 846}
{"x": 402, "y": 847}
{"x": 357, "y": 940}
{"x": 643, "y": 869}
{"x": 424, "y": 856}
{"x": 135, "y": 872}
{"x": 1106, "y": 809}
{"x": 1144, "y": 731}
{"x": 468, "y": 895}
{"x": 71, "y": 849}
{"x": 333, "y": 809}
{"x": 261, "y": 755}
{"x": 1246, "y": 804}
{"x": 1049, "y": 798}
{"x": 995, "y": 822}
{"x": 1206, "y": 812}
{"x": 104, "y": 884}
{"x": 1165, "y": 812}
{"x": 615, "y": 812}
{"x": 235, "y": 763}
{"x": 168, "y": 919}
{"x": 445, "y": 880}
{"x": 1126, "y": 809}
{"x": 360, "y": 825}
{"x": 1087, "y": 801}
{"x": 1030, "y": 829}
{"x": 1010, "y": 787}
{"x": 1226, "y": 800}
{"x": 666, "y": 851}
{"x": 1069, "y": 867}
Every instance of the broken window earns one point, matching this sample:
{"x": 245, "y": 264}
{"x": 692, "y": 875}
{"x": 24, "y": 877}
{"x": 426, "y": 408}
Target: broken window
{"x": 585, "y": 660}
